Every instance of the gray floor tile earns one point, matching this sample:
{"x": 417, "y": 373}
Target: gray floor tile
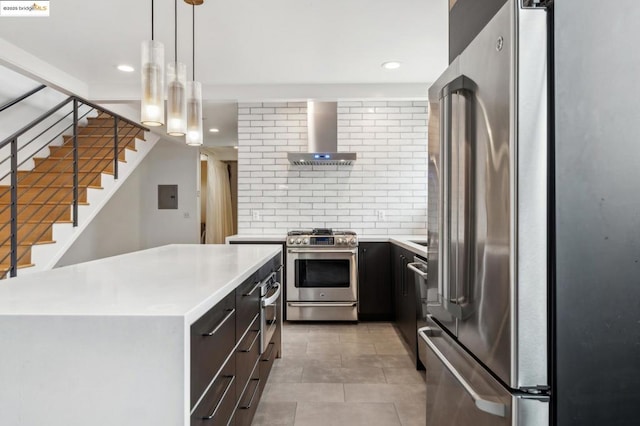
{"x": 404, "y": 376}
{"x": 384, "y": 393}
{"x": 352, "y": 348}
{"x": 275, "y": 414}
{"x": 411, "y": 413}
{"x": 281, "y": 374}
{"x": 396, "y": 361}
{"x": 389, "y": 348}
{"x": 322, "y": 375}
{"x": 304, "y": 392}
{"x": 315, "y": 360}
{"x": 343, "y": 375}
{"x": 294, "y": 348}
{"x": 341, "y": 414}
{"x": 363, "y": 375}
{"x": 370, "y": 338}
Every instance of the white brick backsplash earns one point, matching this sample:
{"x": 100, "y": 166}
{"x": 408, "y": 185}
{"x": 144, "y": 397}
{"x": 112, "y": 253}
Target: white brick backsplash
{"x": 390, "y": 138}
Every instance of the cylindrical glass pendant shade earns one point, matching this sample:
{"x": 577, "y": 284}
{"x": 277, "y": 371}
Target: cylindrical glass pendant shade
{"x": 194, "y": 113}
{"x": 152, "y": 71}
{"x": 176, "y": 99}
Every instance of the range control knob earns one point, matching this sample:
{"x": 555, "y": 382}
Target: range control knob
{"x": 298, "y": 240}
{"x": 339, "y": 241}
{"x": 352, "y": 241}
{"x": 291, "y": 240}
{"x": 305, "y": 241}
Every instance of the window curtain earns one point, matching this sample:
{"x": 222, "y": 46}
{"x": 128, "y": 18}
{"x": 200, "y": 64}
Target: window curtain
{"x": 219, "y": 219}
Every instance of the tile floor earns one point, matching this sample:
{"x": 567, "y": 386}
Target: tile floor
{"x": 334, "y": 374}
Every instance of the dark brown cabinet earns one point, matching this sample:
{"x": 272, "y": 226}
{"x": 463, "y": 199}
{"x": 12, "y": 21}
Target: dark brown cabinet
{"x": 228, "y": 371}
{"x": 375, "y": 290}
{"x": 405, "y": 300}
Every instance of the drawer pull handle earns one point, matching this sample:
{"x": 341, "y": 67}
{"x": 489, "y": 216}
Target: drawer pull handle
{"x": 273, "y": 345}
{"x": 253, "y": 289}
{"x": 212, "y": 332}
{"x": 253, "y": 395}
{"x": 226, "y": 391}
{"x": 255, "y": 339}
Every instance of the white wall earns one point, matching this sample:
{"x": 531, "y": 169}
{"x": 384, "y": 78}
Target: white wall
{"x": 388, "y": 180}
{"x": 171, "y": 163}
{"x": 131, "y": 220}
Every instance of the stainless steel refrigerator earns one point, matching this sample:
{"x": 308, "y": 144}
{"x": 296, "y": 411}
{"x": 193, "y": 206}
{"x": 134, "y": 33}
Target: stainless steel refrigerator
{"x": 485, "y": 346}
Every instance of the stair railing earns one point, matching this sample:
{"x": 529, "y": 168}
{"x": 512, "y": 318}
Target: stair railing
{"x": 27, "y": 173}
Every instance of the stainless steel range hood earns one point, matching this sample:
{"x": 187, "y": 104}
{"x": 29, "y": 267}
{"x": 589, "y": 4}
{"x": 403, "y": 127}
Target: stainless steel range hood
{"x": 322, "y": 124}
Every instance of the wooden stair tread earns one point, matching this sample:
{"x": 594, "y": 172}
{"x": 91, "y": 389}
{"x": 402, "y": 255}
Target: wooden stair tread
{"x": 38, "y": 243}
{"x": 79, "y": 158}
{"x": 83, "y": 147}
{"x": 39, "y": 203}
{"x": 5, "y": 267}
{"x": 64, "y": 185}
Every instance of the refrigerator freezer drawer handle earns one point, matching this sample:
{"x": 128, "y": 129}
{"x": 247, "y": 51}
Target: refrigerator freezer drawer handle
{"x": 413, "y": 267}
{"x": 491, "y": 407}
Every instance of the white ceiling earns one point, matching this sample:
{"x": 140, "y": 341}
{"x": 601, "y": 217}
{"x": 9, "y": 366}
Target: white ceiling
{"x": 247, "y": 49}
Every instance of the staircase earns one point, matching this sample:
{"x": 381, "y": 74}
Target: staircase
{"x": 46, "y": 194}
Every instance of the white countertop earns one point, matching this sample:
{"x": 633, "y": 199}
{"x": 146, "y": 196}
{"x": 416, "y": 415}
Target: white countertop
{"x": 404, "y": 241}
{"x": 174, "y": 280}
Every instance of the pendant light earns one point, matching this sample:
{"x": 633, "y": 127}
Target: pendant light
{"x": 194, "y": 136}
{"x": 176, "y": 87}
{"x": 152, "y": 72}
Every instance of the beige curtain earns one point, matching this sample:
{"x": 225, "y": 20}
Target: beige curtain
{"x": 219, "y": 220}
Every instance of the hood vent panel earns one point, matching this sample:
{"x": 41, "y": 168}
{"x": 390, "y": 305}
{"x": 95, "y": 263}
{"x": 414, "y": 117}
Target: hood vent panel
{"x": 322, "y": 159}
{"x": 322, "y": 125}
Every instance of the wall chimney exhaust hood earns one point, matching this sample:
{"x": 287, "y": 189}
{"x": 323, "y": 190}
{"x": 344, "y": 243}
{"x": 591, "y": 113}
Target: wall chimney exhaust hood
{"x": 322, "y": 125}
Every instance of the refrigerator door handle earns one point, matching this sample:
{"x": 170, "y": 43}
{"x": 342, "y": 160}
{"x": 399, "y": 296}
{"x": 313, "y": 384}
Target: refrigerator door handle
{"x": 444, "y": 218}
{"x": 490, "y": 407}
{"x": 457, "y": 302}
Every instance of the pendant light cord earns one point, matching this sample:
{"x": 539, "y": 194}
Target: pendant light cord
{"x": 176, "y": 32}
{"x": 151, "y": 20}
{"x": 193, "y": 35}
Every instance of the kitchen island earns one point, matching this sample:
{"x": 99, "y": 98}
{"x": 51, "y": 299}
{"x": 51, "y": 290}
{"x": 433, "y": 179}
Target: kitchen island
{"x": 110, "y": 342}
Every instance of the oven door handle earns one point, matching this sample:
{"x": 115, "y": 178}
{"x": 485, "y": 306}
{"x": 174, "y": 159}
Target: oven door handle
{"x": 270, "y": 300}
{"x": 322, "y": 305}
{"x": 311, "y": 251}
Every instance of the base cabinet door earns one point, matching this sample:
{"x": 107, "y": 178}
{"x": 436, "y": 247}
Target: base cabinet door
{"x": 218, "y": 403}
{"x": 375, "y": 289}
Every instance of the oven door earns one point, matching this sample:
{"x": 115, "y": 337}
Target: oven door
{"x": 322, "y": 275}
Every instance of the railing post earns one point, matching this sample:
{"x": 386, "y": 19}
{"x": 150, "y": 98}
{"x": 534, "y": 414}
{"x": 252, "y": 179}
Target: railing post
{"x": 115, "y": 147}
{"x": 13, "y": 271}
{"x": 75, "y": 162}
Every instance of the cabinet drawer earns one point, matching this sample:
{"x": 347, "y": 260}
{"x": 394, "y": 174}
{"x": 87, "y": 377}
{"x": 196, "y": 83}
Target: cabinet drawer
{"x": 267, "y": 358}
{"x": 247, "y": 354}
{"x": 248, "y": 401}
{"x": 247, "y": 302}
{"x": 217, "y": 405}
{"x": 213, "y": 338}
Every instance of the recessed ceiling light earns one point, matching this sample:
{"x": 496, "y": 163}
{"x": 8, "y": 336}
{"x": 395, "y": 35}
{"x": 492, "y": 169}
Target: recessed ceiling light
{"x": 214, "y": 130}
{"x": 391, "y": 65}
{"x": 235, "y": 147}
{"x": 126, "y": 68}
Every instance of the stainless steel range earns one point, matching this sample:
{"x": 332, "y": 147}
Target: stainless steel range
{"x": 322, "y": 275}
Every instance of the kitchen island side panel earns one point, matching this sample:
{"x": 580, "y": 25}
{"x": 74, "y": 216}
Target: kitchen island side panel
{"x": 93, "y": 370}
